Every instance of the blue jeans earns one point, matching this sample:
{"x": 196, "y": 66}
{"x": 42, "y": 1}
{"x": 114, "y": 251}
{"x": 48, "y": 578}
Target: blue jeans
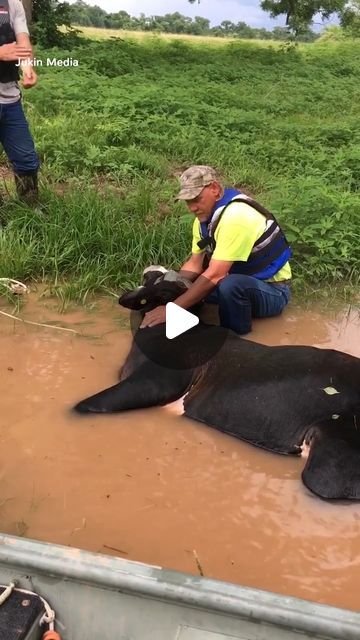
{"x": 16, "y": 139}
{"x": 241, "y": 298}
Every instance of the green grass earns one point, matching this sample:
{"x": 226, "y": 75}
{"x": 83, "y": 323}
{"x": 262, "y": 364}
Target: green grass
{"x": 88, "y": 243}
{"x": 115, "y": 132}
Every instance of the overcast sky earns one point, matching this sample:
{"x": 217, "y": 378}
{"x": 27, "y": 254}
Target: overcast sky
{"x": 215, "y": 10}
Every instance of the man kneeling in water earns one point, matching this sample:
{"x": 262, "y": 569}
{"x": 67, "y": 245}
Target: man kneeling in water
{"x": 240, "y": 256}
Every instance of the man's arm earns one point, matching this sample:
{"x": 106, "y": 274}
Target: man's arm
{"x": 203, "y": 285}
{"x": 19, "y": 24}
{"x": 193, "y": 267}
{"x": 13, "y": 52}
{"x": 216, "y": 271}
{"x": 23, "y": 40}
{"x": 28, "y": 73}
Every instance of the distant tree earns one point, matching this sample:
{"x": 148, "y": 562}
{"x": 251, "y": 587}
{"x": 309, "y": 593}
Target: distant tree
{"x": 242, "y": 30}
{"x": 280, "y": 33}
{"x": 96, "y": 15}
{"x": 142, "y": 22}
{"x": 123, "y": 18}
{"x": 177, "y": 23}
{"x": 350, "y": 18}
{"x": 88, "y": 15}
{"x": 227, "y": 27}
{"x": 263, "y": 34}
{"x": 200, "y": 26}
{"x": 300, "y": 13}
{"x": 78, "y": 13}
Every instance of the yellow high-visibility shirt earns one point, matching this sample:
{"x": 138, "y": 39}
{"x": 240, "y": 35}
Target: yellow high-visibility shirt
{"x": 235, "y": 235}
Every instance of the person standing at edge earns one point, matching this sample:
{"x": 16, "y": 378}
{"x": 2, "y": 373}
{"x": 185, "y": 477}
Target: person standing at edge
{"x": 240, "y": 256}
{"x": 15, "y": 53}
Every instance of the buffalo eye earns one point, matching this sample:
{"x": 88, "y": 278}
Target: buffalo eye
{"x": 143, "y": 301}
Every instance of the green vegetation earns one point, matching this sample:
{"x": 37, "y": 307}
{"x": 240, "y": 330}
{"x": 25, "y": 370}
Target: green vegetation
{"x": 50, "y": 23}
{"x": 115, "y": 132}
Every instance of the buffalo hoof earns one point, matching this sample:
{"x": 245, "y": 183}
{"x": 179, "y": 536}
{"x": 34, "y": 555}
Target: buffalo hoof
{"x": 88, "y": 407}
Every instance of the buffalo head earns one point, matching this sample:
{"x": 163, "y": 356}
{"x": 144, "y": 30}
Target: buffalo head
{"x": 159, "y": 287}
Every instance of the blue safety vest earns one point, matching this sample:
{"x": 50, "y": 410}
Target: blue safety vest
{"x": 270, "y": 252}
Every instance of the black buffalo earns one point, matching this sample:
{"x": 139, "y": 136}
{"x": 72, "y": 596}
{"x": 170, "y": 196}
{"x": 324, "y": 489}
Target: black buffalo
{"x": 272, "y": 397}
{"x": 332, "y": 469}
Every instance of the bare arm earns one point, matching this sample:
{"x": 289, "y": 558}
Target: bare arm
{"x": 29, "y": 75}
{"x": 203, "y": 285}
{"x": 13, "y": 52}
{"x": 193, "y": 267}
{"x": 18, "y": 17}
{"x": 23, "y": 40}
{"x": 216, "y": 271}
{"x": 21, "y": 49}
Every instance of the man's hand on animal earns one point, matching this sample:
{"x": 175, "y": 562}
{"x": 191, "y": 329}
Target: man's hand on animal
{"x": 197, "y": 292}
{"x": 13, "y": 52}
{"x": 154, "y": 317}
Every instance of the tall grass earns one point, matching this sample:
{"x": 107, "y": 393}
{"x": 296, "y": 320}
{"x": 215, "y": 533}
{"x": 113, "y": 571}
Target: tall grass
{"x": 88, "y": 243}
{"x": 115, "y": 132}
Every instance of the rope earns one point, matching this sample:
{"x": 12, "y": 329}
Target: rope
{"x": 48, "y": 617}
{"x": 14, "y": 286}
{"x": 38, "y": 324}
{"x": 4, "y": 596}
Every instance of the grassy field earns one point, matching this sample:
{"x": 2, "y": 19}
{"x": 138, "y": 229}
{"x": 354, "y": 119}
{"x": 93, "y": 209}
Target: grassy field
{"x": 104, "y": 34}
{"x": 116, "y": 131}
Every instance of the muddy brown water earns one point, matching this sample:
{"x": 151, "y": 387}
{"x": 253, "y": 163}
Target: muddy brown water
{"x": 151, "y": 485}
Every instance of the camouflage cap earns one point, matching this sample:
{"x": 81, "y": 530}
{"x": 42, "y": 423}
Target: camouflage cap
{"x": 194, "y": 179}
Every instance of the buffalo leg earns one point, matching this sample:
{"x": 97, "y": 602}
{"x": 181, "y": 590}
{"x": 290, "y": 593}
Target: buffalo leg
{"x": 149, "y": 386}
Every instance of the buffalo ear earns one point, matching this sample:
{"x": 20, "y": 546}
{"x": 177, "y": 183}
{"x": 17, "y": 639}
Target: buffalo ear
{"x": 165, "y": 291}
{"x": 151, "y": 277}
{"x": 153, "y": 273}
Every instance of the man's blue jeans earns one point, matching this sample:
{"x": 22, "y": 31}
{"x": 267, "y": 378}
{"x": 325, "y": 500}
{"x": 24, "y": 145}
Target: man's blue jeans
{"x": 241, "y": 298}
{"x": 16, "y": 139}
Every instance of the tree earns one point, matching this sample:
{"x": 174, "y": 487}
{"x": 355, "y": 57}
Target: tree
{"x": 227, "y": 27}
{"x": 242, "y": 30}
{"x": 300, "y": 13}
{"x": 200, "y": 26}
{"x": 350, "y": 18}
{"x": 78, "y": 14}
{"x": 47, "y": 17}
{"x": 280, "y": 33}
{"x": 96, "y": 15}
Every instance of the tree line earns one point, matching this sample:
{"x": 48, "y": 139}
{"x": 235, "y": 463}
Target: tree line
{"x": 82, "y": 14}
{"x": 47, "y": 18}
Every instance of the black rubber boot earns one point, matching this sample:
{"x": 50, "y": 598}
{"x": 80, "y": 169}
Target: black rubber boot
{"x": 27, "y": 188}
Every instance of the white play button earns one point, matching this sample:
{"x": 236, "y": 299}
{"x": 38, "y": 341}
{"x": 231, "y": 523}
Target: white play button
{"x": 178, "y": 320}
